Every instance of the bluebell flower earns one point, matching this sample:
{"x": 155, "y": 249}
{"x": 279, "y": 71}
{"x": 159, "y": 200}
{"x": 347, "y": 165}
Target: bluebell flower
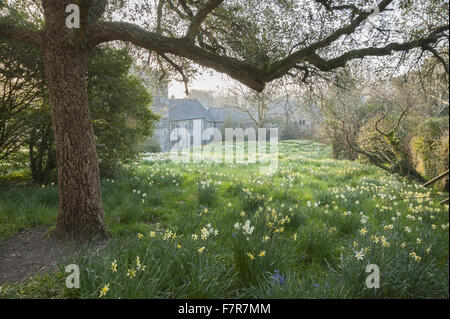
{"x": 279, "y": 279}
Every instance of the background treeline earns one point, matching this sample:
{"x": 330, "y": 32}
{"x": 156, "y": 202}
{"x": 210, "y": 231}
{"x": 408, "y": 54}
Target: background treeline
{"x": 400, "y": 125}
{"x": 119, "y": 105}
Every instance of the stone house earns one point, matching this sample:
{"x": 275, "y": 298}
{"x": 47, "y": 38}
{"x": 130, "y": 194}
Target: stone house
{"x": 190, "y": 113}
{"x": 187, "y": 114}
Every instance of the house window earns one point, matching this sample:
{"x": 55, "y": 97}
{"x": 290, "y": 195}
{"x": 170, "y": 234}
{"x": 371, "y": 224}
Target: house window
{"x": 302, "y": 122}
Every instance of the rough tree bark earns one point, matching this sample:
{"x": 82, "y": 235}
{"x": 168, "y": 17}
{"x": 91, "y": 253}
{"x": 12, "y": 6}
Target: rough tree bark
{"x": 81, "y": 214}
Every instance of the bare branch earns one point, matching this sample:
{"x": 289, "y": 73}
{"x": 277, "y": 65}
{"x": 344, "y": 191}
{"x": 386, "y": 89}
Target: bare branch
{"x": 186, "y": 8}
{"x": 159, "y": 16}
{"x": 327, "y": 6}
{"x": 437, "y": 56}
{"x": 378, "y": 122}
{"x": 201, "y": 15}
{"x": 341, "y": 61}
{"x": 179, "y": 69}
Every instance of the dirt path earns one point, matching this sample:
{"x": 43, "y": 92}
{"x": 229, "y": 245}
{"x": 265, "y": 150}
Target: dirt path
{"x": 28, "y": 253}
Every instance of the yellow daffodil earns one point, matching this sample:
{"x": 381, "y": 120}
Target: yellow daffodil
{"x": 104, "y": 291}
{"x": 131, "y": 273}
{"x": 114, "y": 266}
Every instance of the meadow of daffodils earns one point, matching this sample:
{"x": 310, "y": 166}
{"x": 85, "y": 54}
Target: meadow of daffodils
{"x": 308, "y": 230}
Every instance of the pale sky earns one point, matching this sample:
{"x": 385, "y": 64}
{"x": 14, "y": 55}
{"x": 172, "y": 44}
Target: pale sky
{"x": 209, "y": 80}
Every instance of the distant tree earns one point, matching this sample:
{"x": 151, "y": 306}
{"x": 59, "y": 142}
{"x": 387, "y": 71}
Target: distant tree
{"x": 384, "y": 139}
{"x": 432, "y": 80}
{"x": 373, "y": 122}
{"x": 203, "y": 96}
{"x": 21, "y": 82}
{"x": 256, "y": 105}
{"x": 344, "y": 114}
{"x": 120, "y": 108}
{"x": 41, "y": 145}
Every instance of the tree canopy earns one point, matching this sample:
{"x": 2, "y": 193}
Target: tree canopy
{"x": 253, "y": 41}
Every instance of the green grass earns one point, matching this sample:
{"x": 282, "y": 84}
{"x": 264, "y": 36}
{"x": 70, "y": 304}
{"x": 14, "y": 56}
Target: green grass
{"x": 310, "y": 219}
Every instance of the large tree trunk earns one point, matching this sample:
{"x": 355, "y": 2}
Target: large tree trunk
{"x": 80, "y": 202}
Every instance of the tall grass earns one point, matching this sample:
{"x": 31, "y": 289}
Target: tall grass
{"x": 317, "y": 224}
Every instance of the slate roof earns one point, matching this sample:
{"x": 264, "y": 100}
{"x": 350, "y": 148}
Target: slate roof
{"x": 187, "y": 109}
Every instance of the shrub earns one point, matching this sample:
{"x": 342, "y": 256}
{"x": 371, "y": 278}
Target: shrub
{"x": 429, "y": 148}
{"x": 150, "y": 146}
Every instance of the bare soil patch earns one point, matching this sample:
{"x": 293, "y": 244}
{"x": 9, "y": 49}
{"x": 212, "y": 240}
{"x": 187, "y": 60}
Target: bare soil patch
{"x": 29, "y": 253}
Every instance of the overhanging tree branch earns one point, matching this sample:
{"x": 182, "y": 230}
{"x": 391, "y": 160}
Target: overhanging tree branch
{"x": 327, "y": 65}
{"x": 281, "y": 68}
{"x": 247, "y": 74}
{"x": 284, "y": 65}
{"x": 13, "y": 32}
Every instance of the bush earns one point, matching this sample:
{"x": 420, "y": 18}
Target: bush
{"x": 290, "y": 131}
{"x": 340, "y": 150}
{"x": 369, "y": 139}
{"x": 150, "y": 146}
{"x": 429, "y": 149}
